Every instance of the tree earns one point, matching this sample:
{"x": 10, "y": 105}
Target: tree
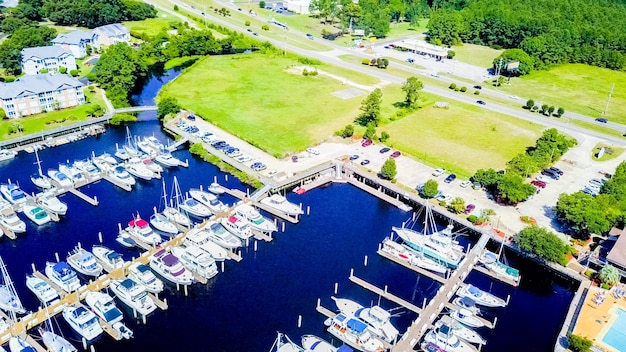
{"x": 384, "y": 136}
{"x": 451, "y": 54}
{"x": 118, "y": 70}
{"x": 457, "y": 205}
{"x": 348, "y": 131}
{"x": 586, "y": 215}
{"x": 452, "y": 86}
{"x": 262, "y": 4}
{"x": 560, "y": 111}
{"x": 166, "y": 106}
{"x": 529, "y": 104}
{"x": 371, "y": 108}
{"x": 412, "y": 88}
{"x": 3, "y": 114}
{"x": 541, "y": 242}
{"x": 526, "y": 62}
{"x": 522, "y": 164}
{"x": 388, "y": 170}
{"x": 265, "y": 27}
{"x": 578, "y": 343}
{"x": 609, "y": 275}
{"x": 247, "y": 23}
{"x": 370, "y": 131}
{"x": 431, "y": 188}
{"x": 513, "y": 189}
{"x": 488, "y": 178}
{"x": 176, "y": 8}
{"x": 62, "y": 70}
{"x": 74, "y": 73}
{"x": 550, "y": 110}
{"x": 544, "y": 108}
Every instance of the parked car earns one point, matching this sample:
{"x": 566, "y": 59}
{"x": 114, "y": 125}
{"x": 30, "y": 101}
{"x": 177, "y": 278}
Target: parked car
{"x": 538, "y": 183}
{"x": 478, "y": 87}
{"x": 309, "y": 35}
{"x": 589, "y": 191}
{"x": 476, "y": 185}
{"x": 439, "y": 172}
{"x": 365, "y": 162}
{"x": 384, "y": 150}
{"x": 469, "y": 208}
{"x": 597, "y": 181}
{"x": 443, "y": 197}
{"x": 450, "y": 178}
{"x": 366, "y": 143}
{"x": 465, "y": 183}
{"x": 481, "y": 102}
{"x": 550, "y": 173}
{"x": 543, "y": 178}
{"x": 602, "y": 119}
{"x": 313, "y": 151}
{"x": 395, "y": 154}
{"x": 354, "y": 157}
{"x": 409, "y": 60}
{"x": 294, "y": 158}
{"x": 557, "y": 170}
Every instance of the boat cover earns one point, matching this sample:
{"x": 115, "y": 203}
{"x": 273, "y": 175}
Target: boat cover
{"x": 344, "y": 348}
{"x": 468, "y": 302}
{"x": 128, "y": 284}
{"x": 233, "y": 219}
{"x": 62, "y": 268}
{"x": 170, "y": 260}
{"x": 475, "y": 291}
{"x": 113, "y": 256}
{"x": 138, "y": 222}
{"x": 191, "y": 202}
{"x": 356, "y": 325}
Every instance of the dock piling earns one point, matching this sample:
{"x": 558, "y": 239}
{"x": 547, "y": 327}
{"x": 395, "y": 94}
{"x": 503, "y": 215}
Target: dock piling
{"x": 283, "y": 230}
{"x": 222, "y": 266}
{"x": 319, "y": 302}
{"x": 84, "y": 344}
{"x": 255, "y": 244}
{"x": 143, "y": 318}
{"x": 100, "y": 236}
{"x": 32, "y": 265}
{"x": 92, "y": 348}
{"x": 299, "y": 321}
{"x": 424, "y": 303}
{"x": 135, "y": 313}
{"x": 495, "y": 320}
{"x": 336, "y": 287}
{"x": 185, "y": 289}
{"x": 56, "y": 255}
{"x": 365, "y": 261}
{"x": 79, "y": 245}
{"x": 308, "y": 209}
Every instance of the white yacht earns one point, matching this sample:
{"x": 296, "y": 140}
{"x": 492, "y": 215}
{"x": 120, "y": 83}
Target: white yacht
{"x": 134, "y": 295}
{"x": 123, "y": 330}
{"x": 44, "y": 292}
{"x": 110, "y": 259}
{"x": 378, "y": 319}
{"x": 312, "y": 343}
{"x": 125, "y": 240}
{"x": 281, "y": 204}
{"x": 219, "y": 235}
{"x": 155, "y": 143}
{"x": 136, "y": 168}
{"x": 102, "y": 165}
{"x": 146, "y": 147}
{"x": 466, "y": 317}
{"x": 88, "y": 168}
{"x": 41, "y": 181}
{"x": 72, "y": 172}
{"x": 120, "y": 174}
{"x": 254, "y": 218}
{"x": 36, "y": 214}
{"x": 284, "y": 344}
{"x": 6, "y": 154}
{"x": 51, "y": 202}
{"x": 84, "y": 262}
{"x": 237, "y": 226}
{"x": 353, "y": 332}
{"x": 445, "y": 339}
{"x": 122, "y": 154}
{"x": 216, "y": 188}
{"x": 200, "y": 238}
{"x": 9, "y": 219}
{"x": 17, "y": 344}
{"x": 104, "y": 306}
{"x": 208, "y": 199}
{"x": 196, "y": 260}
{"x": 83, "y": 321}
{"x": 13, "y": 193}
{"x": 466, "y": 303}
{"x": 106, "y": 157}
{"x": 152, "y": 166}
{"x": 63, "y": 276}
{"x": 142, "y": 231}
{"x": 193, "y": 207}
{"x": 9, "y": 300}
{"x": 60, "y": 178}
{"x": 141, "y": 274}
{"x": 480, "y": 297}
{"x": 492, "y": 262}
{"x": 163, "y": 224}
{"x": 412, "y": 256}
{"x": 177, "y": 216}
{"x": 167, "y": 159}
{"x": 169, "y": 267}
{"x": 459, "y": 330}
{"x": 55, "y": 342}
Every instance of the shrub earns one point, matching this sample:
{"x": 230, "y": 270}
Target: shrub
{"x": 175, "y": 7}
{"x": 605, "y": 286}
{"x": 43, "y": 71}
{"x": 309, "y": 61}
{"x": 247, "y": 23}
{"x": 262, "y": 4}
{"x": 62, "y": 70}
{"x": 348, "y": 131}
{"x": 9, "y": 79}
{"x": 265, "y": 27}
{"x": 476, "y": 92}
{"x": 384, "y": 136}
{"x": 578, "y": 343}
{"x": 529, "y": 104}
{"x": 91, "y": 76}
{"x": 365, "y": 61}
{"x": 452, "y": 85}
{"x": 442, "y": 203}
{"x": 457, "y": 89}
{"x": 74, "y": 73}
{"x": 388, "y": 171}
{"x": 463, "y": 89}
{"x": 472, "y": 218}
{"x": 118, "y": 119}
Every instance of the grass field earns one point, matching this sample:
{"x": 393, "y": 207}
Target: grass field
{"x": 575, "y": 87}
{"x": 610, "y": 152}
{"x": 461, "y": 139}
{"x": 478, "y": 55}
{"x": 256, "y": 99}
{"x": 153, "y": 26}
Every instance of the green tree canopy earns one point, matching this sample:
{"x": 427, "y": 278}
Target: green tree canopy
{"x": 388, "y": 170}
{"x": 411, "y": 88}
{"x": 371, "y": 108}
{"x": 526, "y": 63}
{"x": 118, "y": 70}
{"x": 166, "y": 106}
{"x": 541, "y": 242}
{"x": 431, "y": 188}
{"x": 586, "y": 214}
{"x": 513, "y": 189}
{"x": 488, "y": 178}
{"x": 578, "y": 343}
{"x": 609, "y": 275}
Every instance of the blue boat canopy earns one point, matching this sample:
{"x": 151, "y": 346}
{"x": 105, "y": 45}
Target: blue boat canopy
{"x": 468, "y": 302}
{"x": 61, "y": 267}
{"x": 356, "y": 325}
{"x": 473, "y": 290}
{"x": 345, "y": 348}
{"x": 315, "y": 344}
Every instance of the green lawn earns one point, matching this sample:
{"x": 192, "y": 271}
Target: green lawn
{"x": 254, "y": 97}
{"x": 575, "y": 87}
{"x": 478, "y": 55}
{"x": 153, "y": 26}
{"x": 461, "y": 139}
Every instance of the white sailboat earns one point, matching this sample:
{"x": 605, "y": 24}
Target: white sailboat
{"x": 492, "y": 261}
{"x": 312, "y": 343}
{"x": 53, "y": 341}
{"x": 9, "y": 300}
{"x": 173, "y": 210}
{"x": 284, "y": 344}
{"x": 39, "y": 179}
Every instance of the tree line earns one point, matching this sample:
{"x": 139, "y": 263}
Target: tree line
{"x": 549, "y": 32}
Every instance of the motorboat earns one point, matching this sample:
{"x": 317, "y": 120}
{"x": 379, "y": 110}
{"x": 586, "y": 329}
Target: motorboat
{"x": 104, "y": 307}
{"x": 312, "y": 343}
{"x": 412, "y": 256}
{"x": 36, "y": 214}
{"x": 63, "y": 276}
{"x": 281, "y": 204}
{"x": 196, "y": 260}
{"x": 466, "y": 317}
{"x": 10, "y": 220}
{"x": 154, "y": 142}
{"x": 480, "y": 297}
{"x": 134, "y": 295}
{"x": 219, "y": 235}
{"x": 168, "y": 159}
{"x": 200, "y": 238}
{"x": 72, "y": 172}
{"x": 120, "y": 174}
{"x": 109, "y": 258}
{"x": 141, "y": 230}
{"x": 123, "y": 330}
{"x": 18, "y": 344}
{"x": 136, "y": 168}
{"x": 141, "y": 274}
{"x": 102, "y": 165}
{"x": 44, "y": 292}
{"x": 216, "y": 188}
{"x": 284, "y": 344}
{"x": 106, "y": 157}
{"x": 9, "y": 300}
{"x": 459, "y": 330}
{"x": 492, "y": 262}
{"x": 193, "y": 207}
{"x": 132, "y": 151}
{"x": 354, "y": 332}
{"x": 122, "y": 154}
{"x": 6, "y": 154}
{"x": 63, "y": 180}
{"x": 55, "y": 342}
{"x": 125, "y": 240}
{"x": 438, "y": 245}
{"x": 255, "y": 219}
{"x": 13, "y": 193}
{"x": 41, "y": 181}
{"x": 208, "y": 199}
{"x": 163, "y": 224}
{"x": 83, "y": 321}
{"x": 177, "y": 216}
{"x": 445, "y": 339}
{"x": 49, "y": 201}
{"x": 146, "y": 147}
{"x": 378, "y": 319}
{"x": 237, "y": 226}
{"x": 84, "y": 262}
{"x": 466, "y": 303}
{"x": 152, "y": 166}
{"x": 88, "y": 168}
{"x": 169, "y": 267}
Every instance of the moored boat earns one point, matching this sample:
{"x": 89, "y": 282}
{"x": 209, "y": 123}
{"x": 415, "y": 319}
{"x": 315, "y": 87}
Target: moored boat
{"x": 466, "y": 303}
{"x": 169, "y": 267}
{"x": 54, "y": 342}
{"x": 466, "y": 317}
{"x": 312, "y": 343}
{"x": 103, "y": 306}
{"x": 63, "y": 276}
{"x": 200, "y": 238}
{"x": 60, "y": 178}
{"x": 479, "y": 296}
{"x": 84, "y": 262}
{"x": 412, "y": 256}
{"x": 219, "y": 235}
{"x": 208, "y": 199}
{"x": 142, "y": 231}
{"x": 237, "y": 226}
{"x": 120, "y": 174}
{"x": 9, "y": 300}
{"x": 51, "y": 202}
{"x": 141, "y": 274}
{"x": 438, "y": 246}
{"x": 168, "y": 159}
{"x": 284, "y": 344}
{"x": 83, "y": 321}
{"x": 18, "y": 344}
{"x": 6, "y": 154}
{"x": 163, "y": 224}
{"x": 492, "y": 262}
{"x": 445, "y": 339}
{"x": 378, "y": 319}
{"x": 134, "y": 295}
{"x": 354, "y": 332}
{"x": 215, "y": 188}
{"x": 195, "y": 208}
{"x": 72, "y": 172}
{"x": 9, "y": 219}
{"x": 152, "y": 166}
{"x": 459, "y": 330}
{"x": 281, "y": 204}
{"x": 41, "y": 181}
{"x": 136, "y": 168}
{"x": 196, "y": 260}
{"x": 254, "y": 218}
{"x": 36, "y": 214}
{"x": 108, "y": 257}
{"x": 44, "y": 292}
{"x": 12, "y": 193}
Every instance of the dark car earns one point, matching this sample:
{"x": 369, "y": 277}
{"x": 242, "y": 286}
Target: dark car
{"x": 538, "y": 183}
{"x": 481, "y": 102}
{"x": 384, "y": 150}
{"x": 294, "y": 158}
{"x": 365, "y": 162}
{"x": 551, "y": 174}
{"x": 557, "y": 170}
{"x": 602, "y": 119}
{"x": 478, "y": 87}
{"x": 469, "y": 208}
{"x": 309, "y": 35}
{"x": 450, "y": 178}
{"x": 366, "y": 143}
{"x": 354, "y": 157}
{"x": 409, "y": 60}
{"x": 395, "y": 154}
{"x": 192, "y": 117}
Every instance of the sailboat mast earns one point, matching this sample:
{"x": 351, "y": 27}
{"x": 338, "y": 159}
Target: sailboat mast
{"x": 38, "y": 163}
{"x": 6, "y": 279}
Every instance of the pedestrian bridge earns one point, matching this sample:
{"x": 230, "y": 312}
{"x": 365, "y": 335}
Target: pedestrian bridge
{"x": 137, "y": 108}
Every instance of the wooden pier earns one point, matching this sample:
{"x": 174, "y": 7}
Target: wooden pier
{"x": 384, "y": 293}
{"x": 93, "y": 201}
{"x": 113, "y": 181}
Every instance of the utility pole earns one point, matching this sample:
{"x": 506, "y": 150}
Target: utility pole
{"x": 499, "y": 67}
{"x": 608, "y": 100}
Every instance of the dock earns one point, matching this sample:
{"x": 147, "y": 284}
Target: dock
{"x": 501, "y": 278}
{"x": 93, "y": 201}
{"x": 275, "y": 213}
{"x": 123, "y": 186}
{"x": 384, "y": 293}
{"x": 261, "y": 235}
{"x": 162, "y": 304}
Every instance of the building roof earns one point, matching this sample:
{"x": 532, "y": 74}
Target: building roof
{"x": 72, "y": 38}
{"x": 44, "y": 52}
{"x": 112, "y": 30}
{"x": 617, "y": 254}
{"x": 420, "y": 46}
{"x": 35, "y": 84}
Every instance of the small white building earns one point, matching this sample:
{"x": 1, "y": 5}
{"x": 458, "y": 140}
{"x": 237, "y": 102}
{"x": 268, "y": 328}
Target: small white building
{"x": 112, "y": 34}
{"x": 51, "y": 58}
{"x": 77, "y": 42}
{"x": 298, "y": 6}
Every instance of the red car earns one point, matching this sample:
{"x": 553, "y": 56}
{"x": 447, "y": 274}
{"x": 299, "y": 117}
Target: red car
{"x": 366, "y": 143}
{"x": 538, "y": 183}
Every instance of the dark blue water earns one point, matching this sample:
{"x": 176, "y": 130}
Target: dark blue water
{"x": 242, "y": 308}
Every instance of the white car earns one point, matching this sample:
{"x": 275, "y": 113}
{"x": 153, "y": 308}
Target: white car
{"x": 443, "y": 197}
{"x": 465, "y": 183}
{"x": 544, "y": 178}
{"x": 439, "y": 172}
{"x": 313, "y": 151}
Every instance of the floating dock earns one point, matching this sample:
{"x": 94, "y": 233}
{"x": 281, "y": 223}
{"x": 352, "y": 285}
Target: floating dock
{"x": 384, "y": 293}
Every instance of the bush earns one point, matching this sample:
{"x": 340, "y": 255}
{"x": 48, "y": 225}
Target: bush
{"x": 529, "y": 104}
{"x": 62, "y": 70}
{"x": 91, "y": 76}
{"x": 457, "y": 89}
{"x": 452, "y": 85}
{"x": 388, "y": 171}
{"x": 472, "y": 218}
{"x": 309, "y": 61}
{"x": 605, "y": 286}
{"x": 43, "y": 71}
{"x": 365, "y": 61}
{"x": 118, "y": 119}
{"x": 463, "y": 89}
{"x": 442, "y": 203}
{"x": 247, "y": 23}
{"x": 578, "y": 343}
{"x": 175, "y": 7}
{"x": 384, "y": 136}
{"x": 74, "y": 73}
{"x": 476, "y": 92}
{"x": 265, "y": 27}
{"x": 9, "y": 79}
{"x": 347, "y": 131}
{"x": 262, "y": 4}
